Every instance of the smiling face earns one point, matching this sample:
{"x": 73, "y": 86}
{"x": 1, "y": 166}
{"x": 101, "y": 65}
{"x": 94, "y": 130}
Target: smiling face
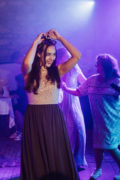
{"x": 50, "y": 56}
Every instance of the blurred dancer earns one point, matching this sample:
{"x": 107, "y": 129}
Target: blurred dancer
{"x": 71, "y": 108}
{"x": 103, "y": 90}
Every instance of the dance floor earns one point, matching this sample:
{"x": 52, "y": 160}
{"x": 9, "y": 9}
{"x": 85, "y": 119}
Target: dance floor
{"x": 10, "y": 161}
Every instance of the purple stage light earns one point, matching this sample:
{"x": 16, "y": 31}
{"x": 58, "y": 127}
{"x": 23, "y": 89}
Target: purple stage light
{"x": 83, "y": 9}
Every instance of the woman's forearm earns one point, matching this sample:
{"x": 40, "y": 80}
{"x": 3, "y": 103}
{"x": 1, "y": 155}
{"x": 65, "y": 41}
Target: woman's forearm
{"x": 74, "y": 92}
{"x": 72, "y": 50}
{"x": 29, "y": 58}
{"x": 75, "y": 56}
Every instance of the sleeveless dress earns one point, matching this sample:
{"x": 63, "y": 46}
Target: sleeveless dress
{"x": 46, "y": 152}
{"x": 73, "y": 115}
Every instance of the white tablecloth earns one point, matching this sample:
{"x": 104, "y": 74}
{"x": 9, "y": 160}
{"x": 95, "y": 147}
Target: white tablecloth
{"x": 7, "y": 108}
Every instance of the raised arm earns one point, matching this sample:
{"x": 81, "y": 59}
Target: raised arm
{"x": 29, "y": 58}
{"x": 75, "y": 55}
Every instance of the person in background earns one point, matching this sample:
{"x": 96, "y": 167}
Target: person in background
{"x": 46, "y": 151}
{"x": 70, "y": 105}
{"x": 6, "y": 110}
{"x": 19, "y": 100}
{"x": 103, "y": 90}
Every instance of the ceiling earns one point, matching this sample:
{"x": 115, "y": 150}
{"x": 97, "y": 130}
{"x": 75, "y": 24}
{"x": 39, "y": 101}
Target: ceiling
{"x": 22, "y": 20}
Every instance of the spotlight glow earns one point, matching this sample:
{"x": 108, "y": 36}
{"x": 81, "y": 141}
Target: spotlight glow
{"x": 82, "y": 10}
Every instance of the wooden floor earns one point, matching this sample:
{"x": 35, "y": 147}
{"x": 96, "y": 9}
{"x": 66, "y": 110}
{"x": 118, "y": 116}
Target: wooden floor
{"x": 10, "y": 161}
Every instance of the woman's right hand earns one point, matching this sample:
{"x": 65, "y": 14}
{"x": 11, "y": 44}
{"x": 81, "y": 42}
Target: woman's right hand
{"x": 39, "y": 38}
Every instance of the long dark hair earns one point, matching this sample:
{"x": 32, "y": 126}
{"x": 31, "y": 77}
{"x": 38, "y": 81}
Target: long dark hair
{"x": 34, "y": 74}
{"x": 110, "y": 66}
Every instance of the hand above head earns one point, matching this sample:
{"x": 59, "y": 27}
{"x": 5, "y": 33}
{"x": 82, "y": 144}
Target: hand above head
{"x": 53, "y": 34}
{"x": 40, "y": 38}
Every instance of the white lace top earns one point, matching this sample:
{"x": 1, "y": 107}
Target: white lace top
{"x": 47, "y": 93}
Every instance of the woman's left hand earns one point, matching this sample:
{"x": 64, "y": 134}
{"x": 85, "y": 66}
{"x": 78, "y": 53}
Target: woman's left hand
{"x": 53, "y": 34}
{"x": 63, "y": 86}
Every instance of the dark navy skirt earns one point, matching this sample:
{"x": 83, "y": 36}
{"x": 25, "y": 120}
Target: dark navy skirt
{"x": 46, "y": 151}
